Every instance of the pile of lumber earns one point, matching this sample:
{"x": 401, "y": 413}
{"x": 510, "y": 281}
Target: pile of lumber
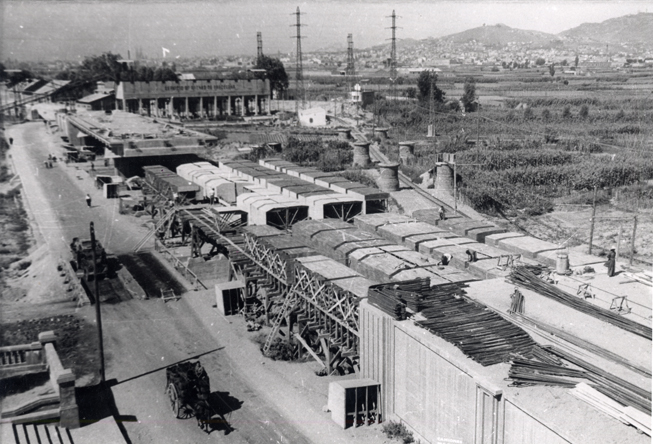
{"x": 384, "y": 299}
{"x": 625, "y": 414}
{"x": 524, "y": 277}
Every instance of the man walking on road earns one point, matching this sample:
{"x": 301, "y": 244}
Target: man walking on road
{"x": 88, "y": 200}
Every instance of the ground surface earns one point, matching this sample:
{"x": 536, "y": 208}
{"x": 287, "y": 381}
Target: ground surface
{"x": 262, "y": 400}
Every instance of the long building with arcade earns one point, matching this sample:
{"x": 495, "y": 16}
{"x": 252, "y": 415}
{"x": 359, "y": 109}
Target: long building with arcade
{"x": 195, "y": 98}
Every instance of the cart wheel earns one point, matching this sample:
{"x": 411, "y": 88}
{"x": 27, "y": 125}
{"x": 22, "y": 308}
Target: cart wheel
{"x": 174, "y": 400}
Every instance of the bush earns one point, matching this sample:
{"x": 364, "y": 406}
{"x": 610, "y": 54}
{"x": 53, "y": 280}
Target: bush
{"x": 584, "y": 112}
{"x": 566, "y": 112}
{"x": 398, "y": 431}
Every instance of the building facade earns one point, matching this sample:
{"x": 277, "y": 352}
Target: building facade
{"x": 195, "y": 98}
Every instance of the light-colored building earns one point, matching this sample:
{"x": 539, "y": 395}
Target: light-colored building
{"x": 312, "y": 117}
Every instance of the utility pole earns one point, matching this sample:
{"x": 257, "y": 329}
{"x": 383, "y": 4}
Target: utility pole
{"x": 300, "y": 95}
{"x": 259, "y": 45}
{"x": 632, "y": 242}
{"x": 98, "y": 312}
{"x": 455, "y": 188}
{"x": 393, "y": 57}
{"x": 592, "y": 220}
{"x": 621, "y": 229}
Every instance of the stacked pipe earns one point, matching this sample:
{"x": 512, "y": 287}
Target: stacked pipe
{"x": 525, "y": 278}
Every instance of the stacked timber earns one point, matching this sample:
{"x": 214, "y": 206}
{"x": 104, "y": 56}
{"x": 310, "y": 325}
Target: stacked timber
{"x": 385, "y": 300}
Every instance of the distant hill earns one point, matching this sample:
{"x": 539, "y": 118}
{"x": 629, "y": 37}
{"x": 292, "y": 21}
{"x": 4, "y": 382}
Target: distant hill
{"x": 500, "y": 35}
{"x": 637, "y": 28}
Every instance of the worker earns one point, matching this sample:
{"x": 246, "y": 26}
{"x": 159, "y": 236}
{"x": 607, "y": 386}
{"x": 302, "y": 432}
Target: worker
{"x": 212, "y": 197}
{"x": 88, "y": 200}
{"x": 516, "y": 302}
{"x": 611, "y": 263}
{"x": 441, "y": 212}
{"x": 471, "y": 256}
{"x": 445, "y": 259}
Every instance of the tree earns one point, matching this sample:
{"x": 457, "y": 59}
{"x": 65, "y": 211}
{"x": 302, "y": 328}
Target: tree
{"x": 424, "y": 87}
{"x": 274, "y": 71}
{"x": 576, "y": 61}
{"x": 528, "y": 113}
{"x": 103, "y": 67}
{"x": 552, "y": 69}
{"x": 540, "y": 61}
{"x": 411, "y": 92}
{"x": 566, "y": 112}
{"x": 469, "y": 96}
{"x": 564, "y": 63}
{"x": 546, "y": 114}
{"x": 584, "y": 111}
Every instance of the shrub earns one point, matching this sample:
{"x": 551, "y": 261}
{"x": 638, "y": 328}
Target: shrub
{"x": 584, "y": 112}
{"x": 398, "y": 431}
{"x": 566, "y": 112}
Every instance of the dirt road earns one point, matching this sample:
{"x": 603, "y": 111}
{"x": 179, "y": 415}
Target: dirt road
{"x": 140, "y": 336}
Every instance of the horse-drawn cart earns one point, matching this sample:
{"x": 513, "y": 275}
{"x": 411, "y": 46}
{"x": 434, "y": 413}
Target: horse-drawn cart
{"x": 188, "y": 389}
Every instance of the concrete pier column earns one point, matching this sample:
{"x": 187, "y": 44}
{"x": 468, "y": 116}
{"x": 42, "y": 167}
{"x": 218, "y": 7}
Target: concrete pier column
{"x": 215, "y": 106}
{"x": 381, "y": 133}
{"x": 140, "y": 106}
{"x": 201, "y": 106}
{"x": 186, "y": 109}
{"x": 242, "y": 106}
{"x": 267, "y": 105}
{"x": 256, "y": 104}
{"x": 388, "y": 180}
{"x": 443, "y": 177}
{"x": 407, "y": 152}
{"x": 172, "y": 107}
{"x": 362, "y": 154}
{"x": 228, "y": 105}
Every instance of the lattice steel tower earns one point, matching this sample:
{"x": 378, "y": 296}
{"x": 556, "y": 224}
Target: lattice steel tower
{"x": 300, "y": 95}
{"x": 393, "y": 57}
{"x": 259, "y": 46}
{"x": 350, "y": 71}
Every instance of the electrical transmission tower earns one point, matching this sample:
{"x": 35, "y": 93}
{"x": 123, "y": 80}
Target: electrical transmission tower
{"x": 259, "y": 45}
{"x": 393, "y": 57}
{"x": 350, "y": 70}
{"x": 300, "y": 95}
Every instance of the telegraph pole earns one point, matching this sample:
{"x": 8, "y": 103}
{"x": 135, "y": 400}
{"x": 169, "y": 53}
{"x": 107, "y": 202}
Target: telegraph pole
{"x": 300, "y": 96}
{"x": 592, "y": 220}
{"x": 98, "y": 312}
{"x": 632, "y": 242}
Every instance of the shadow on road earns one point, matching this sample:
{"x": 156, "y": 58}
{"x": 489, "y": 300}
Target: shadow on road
{"x": 96, "y": 403}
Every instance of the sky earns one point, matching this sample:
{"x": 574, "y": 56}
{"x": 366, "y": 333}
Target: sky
{"x": 70, "y": 30}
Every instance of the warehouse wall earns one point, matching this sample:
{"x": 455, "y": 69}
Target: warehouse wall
{"x": 520, "y": 427}
{"x": 441, "y": 400}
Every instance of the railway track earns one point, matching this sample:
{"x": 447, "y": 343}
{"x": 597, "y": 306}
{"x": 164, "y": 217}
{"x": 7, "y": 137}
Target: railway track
{"x": 375, "y": 154}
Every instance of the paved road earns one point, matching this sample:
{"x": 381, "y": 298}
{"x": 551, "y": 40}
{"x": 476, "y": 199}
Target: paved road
{"x": 141, "y": 336}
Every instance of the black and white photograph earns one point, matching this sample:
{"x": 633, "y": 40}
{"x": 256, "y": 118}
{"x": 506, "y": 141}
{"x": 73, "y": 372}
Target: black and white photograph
{"x": 326, "y": 221}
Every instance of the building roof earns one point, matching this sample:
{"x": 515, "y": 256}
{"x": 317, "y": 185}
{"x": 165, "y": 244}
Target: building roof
{"x": 94, "y": 97}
